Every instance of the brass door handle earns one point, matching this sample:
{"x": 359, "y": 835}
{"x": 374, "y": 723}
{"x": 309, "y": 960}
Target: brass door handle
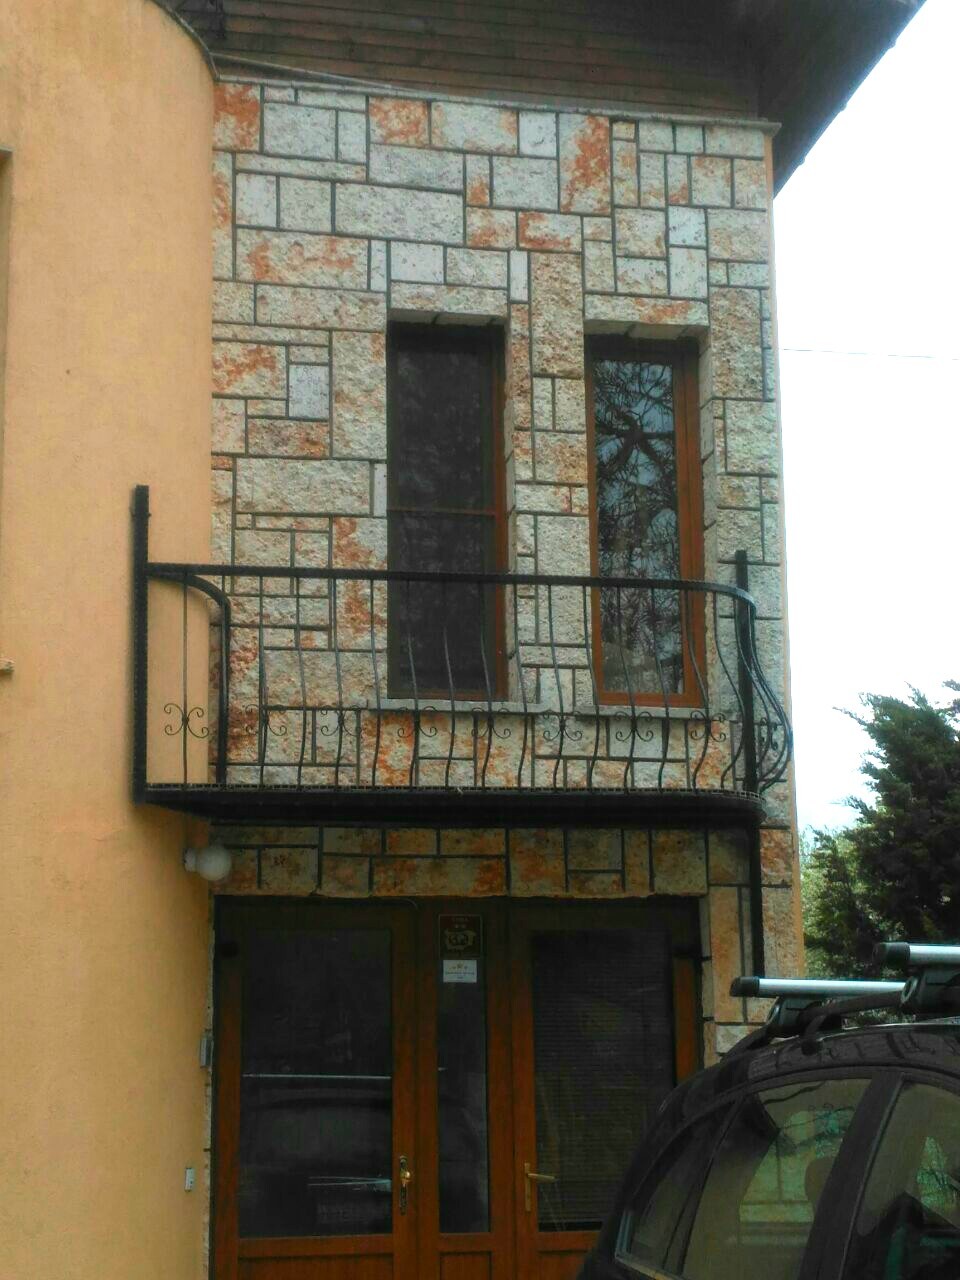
{"x": 530, "y": 1176}
{"x": 405, "y": 1178}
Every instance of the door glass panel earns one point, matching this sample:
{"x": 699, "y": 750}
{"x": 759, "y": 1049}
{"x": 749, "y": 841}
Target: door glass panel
{"x": 462, "y": 1076}
{"x": 603, "y": 1062}
{"x": 764, "y": 1184}
{"x": 316, "y": 1086}
{"x": 909, "y": 1222}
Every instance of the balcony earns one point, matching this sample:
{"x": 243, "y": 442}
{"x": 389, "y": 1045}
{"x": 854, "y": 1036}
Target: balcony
{"x": 296, "y": 695}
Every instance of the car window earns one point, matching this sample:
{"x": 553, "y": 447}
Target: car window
{"x": 908, "y": 1226}
{"x": 654, "y": 1227}
{"x": 766, "y": 1179}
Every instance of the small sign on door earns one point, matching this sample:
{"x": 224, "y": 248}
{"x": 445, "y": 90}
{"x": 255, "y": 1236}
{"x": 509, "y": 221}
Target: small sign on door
{"x": 461, "y": 948}
{"x": 459, "y": 970}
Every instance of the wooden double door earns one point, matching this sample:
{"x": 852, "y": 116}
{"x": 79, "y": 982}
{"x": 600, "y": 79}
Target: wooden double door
{"x": 439, "y": 1090}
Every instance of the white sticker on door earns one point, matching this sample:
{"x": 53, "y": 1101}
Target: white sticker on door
{"x": 459, "y": 970}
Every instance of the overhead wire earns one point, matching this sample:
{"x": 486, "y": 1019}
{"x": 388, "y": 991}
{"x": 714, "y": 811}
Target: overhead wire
{"x": 878, "y": 355}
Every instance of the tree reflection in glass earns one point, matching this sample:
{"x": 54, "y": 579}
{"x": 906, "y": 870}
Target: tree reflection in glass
{"x": 638, "y": 527}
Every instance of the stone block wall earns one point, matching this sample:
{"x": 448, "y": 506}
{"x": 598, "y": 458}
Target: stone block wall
{"x": 336, "y": 211}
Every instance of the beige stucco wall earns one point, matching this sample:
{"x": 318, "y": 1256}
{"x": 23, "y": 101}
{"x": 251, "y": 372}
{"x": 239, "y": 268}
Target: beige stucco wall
{"x": 105, "y": 106}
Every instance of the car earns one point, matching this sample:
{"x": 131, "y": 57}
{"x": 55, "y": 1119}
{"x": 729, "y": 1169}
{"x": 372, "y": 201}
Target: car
{"x": 812, "y": 1151}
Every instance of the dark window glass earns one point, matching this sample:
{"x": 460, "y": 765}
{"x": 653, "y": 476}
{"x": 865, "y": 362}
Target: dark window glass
{"x": 762, "y": 1190}
{"x": 462, "y": 1084}
{"x": 638, "y": 526}
{"x": 908, "y": 1227}
{"x": 603, "y": 1062}
{"x": 316, "y": 1084}
{"x": 655, "y": 1226}
{"x": 442, "y": 507}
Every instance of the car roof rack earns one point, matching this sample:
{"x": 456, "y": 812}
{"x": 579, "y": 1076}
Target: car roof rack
{"x": 933, "y": 982}
{"x": 805, "y": 1006}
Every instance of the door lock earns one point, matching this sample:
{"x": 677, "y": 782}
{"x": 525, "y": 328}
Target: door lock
{"x": 406, "y": 1177}
{"x": 530, "y": 1176}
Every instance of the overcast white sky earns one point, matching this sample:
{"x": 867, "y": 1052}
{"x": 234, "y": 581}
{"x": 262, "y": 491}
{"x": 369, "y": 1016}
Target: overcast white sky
{"x": 868, "y": 247}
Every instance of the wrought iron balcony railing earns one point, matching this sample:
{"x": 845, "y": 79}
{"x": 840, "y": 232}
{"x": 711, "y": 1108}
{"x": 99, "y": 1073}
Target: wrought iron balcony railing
{"x": 271, "y": 692}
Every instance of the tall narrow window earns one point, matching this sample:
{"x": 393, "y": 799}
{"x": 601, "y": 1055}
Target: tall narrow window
{"x": 646, "y": 493}
{"x": 445, "y": 509}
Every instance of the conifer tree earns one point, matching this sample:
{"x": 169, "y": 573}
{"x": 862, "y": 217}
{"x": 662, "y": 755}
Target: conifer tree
{"x": 894, "y": 874}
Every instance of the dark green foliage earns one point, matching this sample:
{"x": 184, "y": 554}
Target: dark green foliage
{"x": 895, "y": 873}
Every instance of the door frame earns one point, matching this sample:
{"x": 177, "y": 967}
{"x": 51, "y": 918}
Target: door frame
{"x": 512, "y": 1247}
{"x": 497, "y": 1242}
{"x": 234, "y": 916}
{"x": 679, "y": 921}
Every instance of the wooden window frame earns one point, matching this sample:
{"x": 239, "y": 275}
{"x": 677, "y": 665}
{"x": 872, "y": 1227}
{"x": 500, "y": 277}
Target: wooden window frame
{"x": 683, "y": 358}
{"x": 424, "y": 334}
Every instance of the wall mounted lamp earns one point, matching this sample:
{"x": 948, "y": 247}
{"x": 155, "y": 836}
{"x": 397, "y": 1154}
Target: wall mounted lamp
{"x": 213, "y": 863}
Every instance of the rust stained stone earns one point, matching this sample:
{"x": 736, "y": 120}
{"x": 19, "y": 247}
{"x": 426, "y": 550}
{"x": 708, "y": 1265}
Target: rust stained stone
{"x": 594, "y": 849}
{"x": 712, "y": 764}
{"x": 549, "y": 231}
{"x": 491, "y": 228}
{"x": 478, "y": 180}
{"x": 344, "y": 876}
{"x": 399, "y": 120}
{"x": 236, "y": 116}
{"x": 478, "y": 191}
{"x": 536, "y": 872}
{"x": 291, "y": 257}
{"x": 584, "y": 164}
{"x": 352, "y": 839}
{"x": 679, "y": 862}
{"x": 222, "y": 215}
{"x": 287, "y": 437}
{"x": 243, "y": 873}
{"x": 359, "y": 395}
{"x": 294, "y": 305}
{"x": 289, "y": 870}
{"x": 417, "y": 840}
{"x": 776, "y": 856}
{"x": 358, "y": 617}
{"x": 781, "y": 931}
{"x": 518, "y": 384}
{"x": 667, "y": 312}
{"x": 729, "y": 857}
{"x": 359, "y": 543}
{"x": 222, "y": 193}
{"x": 536, "y": 840}
{"x": 561, "y": 458}
{"x": 556, "y": 314}
{"x": 636, "y": 863}
{"x": 595, "y": 884}
{"x": 394, "y": 753}
{"x": 473, "y": 840}
{"x": 248, "y": 369}
{"x": 726, "y": 952}
{"x": 439, "y": 877}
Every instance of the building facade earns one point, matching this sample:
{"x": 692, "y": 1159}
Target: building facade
{"x": 480, "y": 679}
